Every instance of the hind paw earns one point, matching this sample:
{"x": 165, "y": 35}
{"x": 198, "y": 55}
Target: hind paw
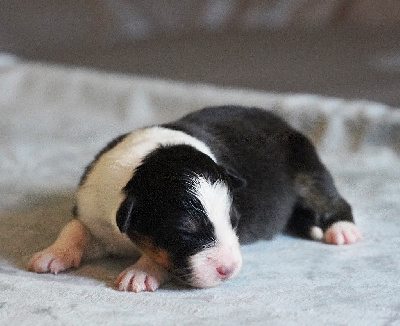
{"x": 342, "y": 232}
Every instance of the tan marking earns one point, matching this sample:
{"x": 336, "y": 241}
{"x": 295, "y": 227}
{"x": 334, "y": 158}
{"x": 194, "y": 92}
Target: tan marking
{"x": 158, "y": 255}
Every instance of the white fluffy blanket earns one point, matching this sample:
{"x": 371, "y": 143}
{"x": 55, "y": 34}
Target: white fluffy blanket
{"x": 53, "y": 120}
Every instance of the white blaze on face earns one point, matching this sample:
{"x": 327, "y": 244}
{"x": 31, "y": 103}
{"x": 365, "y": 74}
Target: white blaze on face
{"x": 223, "y": 261}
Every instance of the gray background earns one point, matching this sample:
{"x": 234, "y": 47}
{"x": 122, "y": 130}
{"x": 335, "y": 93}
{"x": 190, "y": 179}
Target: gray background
{"x": 344, "y": 48}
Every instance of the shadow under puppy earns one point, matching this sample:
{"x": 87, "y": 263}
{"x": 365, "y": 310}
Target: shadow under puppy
{"x": 187, "y": 192}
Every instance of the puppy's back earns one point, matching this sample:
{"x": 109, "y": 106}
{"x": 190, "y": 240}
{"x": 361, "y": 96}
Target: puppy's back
{"x": 256, "y": 144}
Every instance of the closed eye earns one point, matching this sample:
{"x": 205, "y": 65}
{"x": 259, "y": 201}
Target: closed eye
{"x": 234, "y": 222}
{"x": 234, "y": 216}
{"x": 189, "y": 225}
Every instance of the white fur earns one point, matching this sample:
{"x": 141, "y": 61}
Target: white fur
{"x": 316, "y": 233}
{"x": 100, "y": 196}
{"x": 217, "y": 202}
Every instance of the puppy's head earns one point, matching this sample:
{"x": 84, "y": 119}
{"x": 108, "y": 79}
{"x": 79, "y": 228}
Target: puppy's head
{"x": 178, "y": 210}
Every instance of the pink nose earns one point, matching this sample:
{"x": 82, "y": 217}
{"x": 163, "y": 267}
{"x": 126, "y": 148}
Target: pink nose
{"x": 225, "y": 271}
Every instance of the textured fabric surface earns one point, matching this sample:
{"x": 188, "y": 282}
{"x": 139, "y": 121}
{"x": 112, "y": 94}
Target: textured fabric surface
{"x": 53, "y": 120}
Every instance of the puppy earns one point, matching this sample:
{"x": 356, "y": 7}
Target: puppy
{"x": 186, "y": 193}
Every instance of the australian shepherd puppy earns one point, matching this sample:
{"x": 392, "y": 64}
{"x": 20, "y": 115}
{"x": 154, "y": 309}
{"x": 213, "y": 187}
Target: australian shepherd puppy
{"x": 186, "y": 194}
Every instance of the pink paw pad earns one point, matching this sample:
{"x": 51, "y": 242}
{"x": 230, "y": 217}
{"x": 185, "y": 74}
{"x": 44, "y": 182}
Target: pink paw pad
{"x": 342, "y": 232}
{"x": 135, "y": 280}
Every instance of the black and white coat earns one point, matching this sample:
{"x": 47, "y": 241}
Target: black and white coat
{"x": 186, "y": 193}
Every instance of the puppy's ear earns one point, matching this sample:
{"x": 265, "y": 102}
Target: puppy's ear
{"x": 124, "y": 213}
{"x": 235, "y": 179}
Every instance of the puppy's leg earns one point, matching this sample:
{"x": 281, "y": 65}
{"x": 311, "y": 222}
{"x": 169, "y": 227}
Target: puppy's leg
{"x": 321, "y": 212}
{"x": 72, "y": 245}
{"x": 145, "y": 275}
{"x": 331, "y": 222}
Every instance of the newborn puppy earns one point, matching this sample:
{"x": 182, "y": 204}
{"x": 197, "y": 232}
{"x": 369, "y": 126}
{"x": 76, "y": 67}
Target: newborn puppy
{"x": 186, "y": 193}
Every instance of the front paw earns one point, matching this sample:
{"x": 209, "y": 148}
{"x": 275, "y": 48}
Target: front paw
{"x": 135, "y": 280}
{"x": 342, "y": 232}
{"x": 53, "y": 260}
{"x": 145, "y": 275}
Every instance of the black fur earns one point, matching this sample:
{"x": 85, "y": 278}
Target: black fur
{"x": 287, "y": 185}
